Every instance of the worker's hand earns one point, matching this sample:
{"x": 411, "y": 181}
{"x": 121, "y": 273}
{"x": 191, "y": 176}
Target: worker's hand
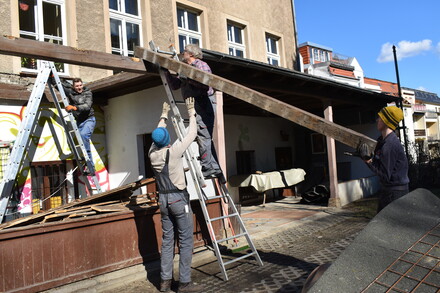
{"x": 70, "y": 108}
{"x": 165, "y": 110}
{"x": 364, "y": 151}
{"x": 190, "y": 106}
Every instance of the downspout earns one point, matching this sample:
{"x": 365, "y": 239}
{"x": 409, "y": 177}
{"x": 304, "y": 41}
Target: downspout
{"x": 298, "y": 63}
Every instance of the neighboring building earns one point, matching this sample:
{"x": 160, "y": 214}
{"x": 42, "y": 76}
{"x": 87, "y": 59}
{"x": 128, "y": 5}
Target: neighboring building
{"x": 421, "y": 109}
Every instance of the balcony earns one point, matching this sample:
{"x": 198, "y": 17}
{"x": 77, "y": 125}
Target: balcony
{"x": 431, "y": 115}
{"x": 419, "y": 108}
{"x": 419, "y": 132}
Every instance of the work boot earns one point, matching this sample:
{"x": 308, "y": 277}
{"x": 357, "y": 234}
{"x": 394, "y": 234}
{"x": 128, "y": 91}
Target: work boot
{"x": 189, "y": 287}
{"x": 165, "y": 285}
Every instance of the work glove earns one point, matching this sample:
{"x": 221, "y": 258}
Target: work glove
{"x": 70, "y": 108}
{"x": 165, "y": 110}
{"x": 364, "y": 151}
{"x": 190, "y": 106}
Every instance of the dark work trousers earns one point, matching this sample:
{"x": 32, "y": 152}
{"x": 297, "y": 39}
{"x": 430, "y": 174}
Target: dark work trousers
{"x": 388, "y": 195}
{"x": 205, "y": 126}
{"x": 177, "y": 216}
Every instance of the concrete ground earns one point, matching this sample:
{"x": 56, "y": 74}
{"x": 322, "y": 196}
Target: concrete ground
{"x": 292, "y": 239}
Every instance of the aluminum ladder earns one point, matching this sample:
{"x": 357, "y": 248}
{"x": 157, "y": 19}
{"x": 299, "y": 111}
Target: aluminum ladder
{"x": 221, "y": 191}
{"x": 27, "y": 127}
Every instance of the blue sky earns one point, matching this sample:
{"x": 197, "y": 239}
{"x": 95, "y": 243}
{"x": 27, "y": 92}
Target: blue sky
{"x": 367, "y": 30}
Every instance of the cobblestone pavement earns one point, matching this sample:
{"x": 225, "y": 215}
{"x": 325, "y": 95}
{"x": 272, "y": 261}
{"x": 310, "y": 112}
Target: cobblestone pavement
{"x": 289, "y": 253}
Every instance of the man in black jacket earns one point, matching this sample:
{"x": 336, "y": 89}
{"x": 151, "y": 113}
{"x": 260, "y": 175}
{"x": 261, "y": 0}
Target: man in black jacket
{"x": 81, "y": 100}
{"x": 389, "y": 161}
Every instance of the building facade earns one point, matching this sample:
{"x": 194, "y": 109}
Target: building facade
{"x": 257, "y": 30}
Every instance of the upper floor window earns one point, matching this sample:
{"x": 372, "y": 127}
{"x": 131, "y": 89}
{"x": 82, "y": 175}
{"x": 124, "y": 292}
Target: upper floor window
{"x": 273, "y": 56}
{"x": 188, "y": 23}
{"x": 320, "y": 55}
{"x": 42, "y": 21}
{"x": 125, "y": 26}
{"x": 236, "y": 40}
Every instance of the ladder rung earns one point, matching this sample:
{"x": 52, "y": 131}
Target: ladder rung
{"x": 224, "y": 217}
{"x": 214, "y": 197}
{"x": 232, "y": 237}
{"x": 238, "y": 258}
{"x": 179, "y": 102}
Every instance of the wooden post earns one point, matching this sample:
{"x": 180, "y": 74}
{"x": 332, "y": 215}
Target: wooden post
{"x": 219, "y": 131}
{"x": 334, "y": 200}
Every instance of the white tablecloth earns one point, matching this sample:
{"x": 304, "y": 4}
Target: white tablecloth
{"x": 270, "y": 180}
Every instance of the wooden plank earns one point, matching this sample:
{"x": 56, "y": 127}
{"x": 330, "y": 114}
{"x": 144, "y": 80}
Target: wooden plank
{"x": 124, "y": 191}
{"x": 342, "y": 134}
{"x": 10, "y": 45}
{"x": 110, "y": 208}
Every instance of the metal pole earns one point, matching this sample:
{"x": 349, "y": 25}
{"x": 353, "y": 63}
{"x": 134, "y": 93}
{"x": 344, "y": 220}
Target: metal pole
{"x": 400, "y": 103}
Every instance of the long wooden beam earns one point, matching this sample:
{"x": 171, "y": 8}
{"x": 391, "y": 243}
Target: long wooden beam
{"x": 58, "y": 53}
{"x": 342, "y": 134}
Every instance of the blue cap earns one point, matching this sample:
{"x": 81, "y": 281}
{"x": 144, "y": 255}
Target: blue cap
{"x": 161, "y": 137}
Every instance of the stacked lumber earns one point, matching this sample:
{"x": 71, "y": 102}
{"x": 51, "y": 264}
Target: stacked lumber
{"x": 117, "y": 200}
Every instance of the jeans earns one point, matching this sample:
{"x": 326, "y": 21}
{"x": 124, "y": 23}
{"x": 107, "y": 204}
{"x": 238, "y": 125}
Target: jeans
{"x": 176, "y": 215}
{"x": 86, "y": 130}
{"x": 205, "y": 126}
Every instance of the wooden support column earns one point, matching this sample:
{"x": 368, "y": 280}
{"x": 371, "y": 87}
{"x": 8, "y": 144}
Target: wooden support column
{"x": 334, "y": 200}
{"x": 219, "y": 131}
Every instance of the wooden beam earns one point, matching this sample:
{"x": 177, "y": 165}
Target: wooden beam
{"x": 58, "y": 53}
{"x": 342, "y": 134}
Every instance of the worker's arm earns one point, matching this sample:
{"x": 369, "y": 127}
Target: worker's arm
{"x": 180, "y": 147}
{"x": 164, "y": 115}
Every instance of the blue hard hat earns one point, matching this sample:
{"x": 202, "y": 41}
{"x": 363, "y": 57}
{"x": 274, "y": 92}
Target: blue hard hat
{"x": 161, "y": 137}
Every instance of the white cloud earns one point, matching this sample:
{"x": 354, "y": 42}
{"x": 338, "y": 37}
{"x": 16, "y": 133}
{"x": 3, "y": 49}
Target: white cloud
{"x": 438, "y": 48}
{"x": 404, "y": 49}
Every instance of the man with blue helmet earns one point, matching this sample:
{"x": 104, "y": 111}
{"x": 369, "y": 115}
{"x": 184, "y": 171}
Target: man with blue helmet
{"x": 174, "y": 203}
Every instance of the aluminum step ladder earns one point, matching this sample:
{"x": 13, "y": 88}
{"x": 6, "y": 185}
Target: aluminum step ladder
{"x": 28, "y": 126}
{"x": 221, "y": 191}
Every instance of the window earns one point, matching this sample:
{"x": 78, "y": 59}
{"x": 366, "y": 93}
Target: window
{"x": 236, "y": 40}
{"x": 49, "y": 185}
{"x": 273, "y": 56}
{"x": 42, "y": 21}
{"x": 188, "y": 24}
{"x": 125, "y": 26}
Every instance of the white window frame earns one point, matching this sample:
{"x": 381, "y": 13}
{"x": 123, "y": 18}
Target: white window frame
{"x": 233, "y": 45}
{"x": 271, "y": 57}
{"x": 125, "y": 18}
{"x": 185, "y": 31}
{"x": 39, "y": 30}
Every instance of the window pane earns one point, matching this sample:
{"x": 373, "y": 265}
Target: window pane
{"x": 182, "y": 43}
{"x": 231, "y": 51}
{"x": 132, "y": 36}
{"x": 230, "y": 33}
{"x": 194, "y": 41}
{"x": 113, "y": 4}
{"x": 27, "y": 62}
{"x": 237, "y": 34}
{"x": 52, "y": 19}
{"x": 239, "y": 53}
{"x": 274, "y": 62}
{"x": 27, "y": 16}
{"x": 116, "y": 29}
{"x": 180, "y": 18}
{"x": 192, "y": 21}
{"x": 131, "y": 6}
{"x": 273, "y": 45}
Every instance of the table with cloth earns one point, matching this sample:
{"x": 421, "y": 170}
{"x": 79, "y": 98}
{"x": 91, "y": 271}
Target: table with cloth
{"x": 270, "y": 180}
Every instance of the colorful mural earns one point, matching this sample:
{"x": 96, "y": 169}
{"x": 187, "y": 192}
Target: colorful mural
{"x": 50, "y": 144}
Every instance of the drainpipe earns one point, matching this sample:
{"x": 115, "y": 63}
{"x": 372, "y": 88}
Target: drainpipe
{"x": 400, "y": 103}
{"x": 297, "y": 66}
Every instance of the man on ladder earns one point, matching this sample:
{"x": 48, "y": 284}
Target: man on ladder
{"x": 174, "y": 202}
{"x": 80, "y": 105}
{"x": 202, "y": 94}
